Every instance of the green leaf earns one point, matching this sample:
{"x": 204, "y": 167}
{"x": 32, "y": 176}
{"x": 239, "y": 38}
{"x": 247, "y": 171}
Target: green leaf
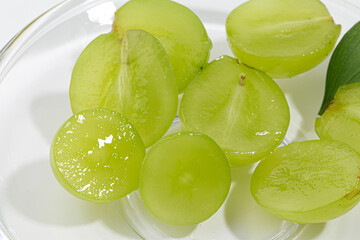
{"x": 344, "y": 66}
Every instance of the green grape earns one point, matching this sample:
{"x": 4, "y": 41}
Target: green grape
{"x": 341, "y": 120}
{"x": 96, "y": 155}
{"x": 282, "y": 37}
{"x": 184, "y": 179}
{"x": 178, "y": 29}
{"x": 132, "y": 76}
{"x": 241, "y": 108}
{"x": 308, "y": 182}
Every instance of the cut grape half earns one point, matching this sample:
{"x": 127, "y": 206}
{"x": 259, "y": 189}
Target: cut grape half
{"x": 184, "y": 179}
{"x": 96, "y": 155}
{"x": 308, "y": 182}
{"x": 241, "y": 108}
{"x": 341, "y": 120}
{"x": 178, "y": 29}
{"x": 132, "y": 76}
{"x": 282, "y": 37}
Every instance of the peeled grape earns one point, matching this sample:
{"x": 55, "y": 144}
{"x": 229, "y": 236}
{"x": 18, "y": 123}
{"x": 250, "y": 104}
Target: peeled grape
{"x": 178, "y": 29}
{"x": 281, "y": 37}
{"x": 341, "y": 120}
{"x": 132, "y": 76}
{"x": 308, "y": 182}
{"x": 241, "y": 108}
{"x": 96, "y": 155}
{"x": 184, "y": 179}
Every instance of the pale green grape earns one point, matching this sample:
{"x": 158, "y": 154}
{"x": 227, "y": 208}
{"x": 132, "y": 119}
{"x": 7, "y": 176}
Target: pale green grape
{"x": 241, "y": 108}
{"x": 179, "y": 30}
{"x": 308, "y": 182}
{"x": 341, "y": 120}
{"x": 132, "y": 76}
{"x": 281, "y": 37}
{"x": 96, "y": 155}
{"x": 184, "y": 179}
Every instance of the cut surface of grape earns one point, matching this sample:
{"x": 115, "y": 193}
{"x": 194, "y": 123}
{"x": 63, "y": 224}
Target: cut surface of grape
{"x": 132, "y": 76}
{"x": 282, "y": 37}
{"x": 96, "y": 155}
{"x": 184, "y": 179}
{"x": 308, "y": 182}
{"x": 341, "y": 120}
{"x": 241, "y": 108}
{"x": 178, "y": 29}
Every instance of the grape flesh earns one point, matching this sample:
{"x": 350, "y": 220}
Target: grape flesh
{"x": 241, "y": 108}
{"x": 132, "y": 76}
{"x": 308, "y": 182}
{"x": 178, "y": 29}
{"x": 281, "y": 37}
{"x": 96, "y": 155}
{"x": 341, "y": 120}
{"x": 184, "y": 179}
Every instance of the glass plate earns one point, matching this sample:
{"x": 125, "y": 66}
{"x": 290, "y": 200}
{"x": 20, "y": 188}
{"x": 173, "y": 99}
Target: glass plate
{"x": 35, "y": 70}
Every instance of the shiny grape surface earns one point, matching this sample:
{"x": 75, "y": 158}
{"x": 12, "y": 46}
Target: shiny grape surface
{"x": 281, "y": 37}
{"x": 341, "y": 120}
{"x": 96, "y": 155}
{"x": 308, "y": 182}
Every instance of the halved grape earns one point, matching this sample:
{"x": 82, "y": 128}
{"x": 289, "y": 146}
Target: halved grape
{"x": 282, "y": 37}
{"x": 308, "y": 182}
{"x": 341, "y": 120}
{"x": 96, "y": 155}
{"x": 179, "y": 30}
{"x": 241, "y": 108}
{"x": 184, "y": 179}
{"x": 132, "y": 76}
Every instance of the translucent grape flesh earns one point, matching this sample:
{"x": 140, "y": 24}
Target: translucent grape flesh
{"x": 308, "y": 182}
{"x": 282, "y": 37}
{"x": 96, "y": 155}
{"x": 185, "y": 179}
{"x": 132, "y": 76}
{"x": 242, "y": 109}
{"x": 341, "y": 120}
{"x": 178, "y": 29}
